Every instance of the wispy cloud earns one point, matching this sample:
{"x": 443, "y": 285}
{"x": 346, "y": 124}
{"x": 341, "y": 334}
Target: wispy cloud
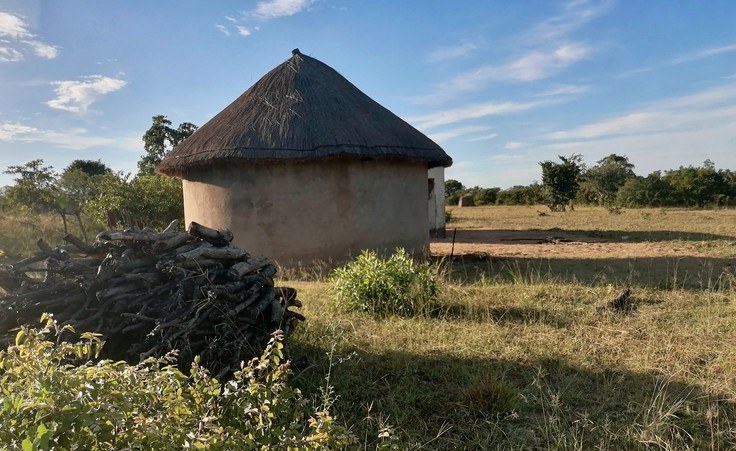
{"x": 9, "y": 54}
{"x": 631, "y": 73}
{"x": 450, "y": 52}
{"x": 77, "y": 96}
{"x": 17, "y": 40}
{"x": 474, "y": 111}
{"x": 76, "y": 139}
{"x": 43, "y": 50}
{"x": 482, "y": 138}
{"x": 223, "y": 29}
{"x": 243, "y": 24}
{"x": 531, "y": 66}
{"x": 513, "y": 145}
{"x": 456, "y": 132}
{"x": 575, "y": 13}
{"x": 705, "y": 53}
{"x": 700, "y": 110}
{"x": 272, "y": 9}
{"x": 563, "y": 91}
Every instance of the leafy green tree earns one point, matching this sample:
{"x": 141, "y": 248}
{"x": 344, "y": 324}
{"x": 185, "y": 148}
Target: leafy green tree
{"x": 607, "y": 176}
{"x": 561, "y": 181}
{"x": 89, "y": 167}
{"x": 698, "y": 186}
{"x": 521, "y": 195}
{"x": 453, "y": 188}
{"x": 649, "y": 191}
{"x": 159, "y": 140}
{"x": 34, "y": 190}
{"x": 144, "y": 201}
{"x": 483, "y": 196}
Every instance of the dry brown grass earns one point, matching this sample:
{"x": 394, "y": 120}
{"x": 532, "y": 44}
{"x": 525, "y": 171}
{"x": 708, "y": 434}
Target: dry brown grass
{"x": 524, "y": 359}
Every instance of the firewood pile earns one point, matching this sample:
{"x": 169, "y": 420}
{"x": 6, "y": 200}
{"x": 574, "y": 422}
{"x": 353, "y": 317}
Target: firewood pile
{"x": 148, "y": 293}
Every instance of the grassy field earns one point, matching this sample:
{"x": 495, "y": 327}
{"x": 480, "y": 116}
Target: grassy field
{"x": 520, "y": 356}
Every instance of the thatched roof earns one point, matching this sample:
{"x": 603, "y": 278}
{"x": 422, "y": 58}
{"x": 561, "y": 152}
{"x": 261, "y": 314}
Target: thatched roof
{"x": 302, "y": 109}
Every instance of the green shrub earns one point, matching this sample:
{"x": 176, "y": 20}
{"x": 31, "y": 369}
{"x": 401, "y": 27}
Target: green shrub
{"x": 55, "y": 396}
{"x": 393, "y": 286}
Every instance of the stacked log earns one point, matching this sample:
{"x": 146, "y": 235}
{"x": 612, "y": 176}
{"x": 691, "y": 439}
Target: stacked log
{"x": 149, "y": 293}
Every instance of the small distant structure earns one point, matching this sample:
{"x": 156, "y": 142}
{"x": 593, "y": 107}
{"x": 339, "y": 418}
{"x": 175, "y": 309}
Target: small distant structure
{"x": 466, "y": 200}
{"x": 304, "y": 166}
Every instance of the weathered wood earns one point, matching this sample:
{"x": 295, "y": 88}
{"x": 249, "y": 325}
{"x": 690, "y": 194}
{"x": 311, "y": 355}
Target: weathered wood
{"x": 150, "y": 292}
{"x": 215, "y": 237}
{"x": 224, "y": 253}
{"x": 251, "y": 264}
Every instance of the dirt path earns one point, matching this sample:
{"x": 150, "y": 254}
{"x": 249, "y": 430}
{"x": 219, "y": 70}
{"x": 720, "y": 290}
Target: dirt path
{"x": 553, "y": 244}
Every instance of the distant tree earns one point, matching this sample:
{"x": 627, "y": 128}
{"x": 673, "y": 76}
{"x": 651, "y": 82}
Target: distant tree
{"x": 35, "y": 190}
{"x": 607, "y": 176}
{"x": 698, "y": 186}
{"x": 649, "y": 191}
{"x": 521, "y": 195}
{"x": 144, "y": 201}
{"x": 89, "y": 167}
{"x": 159, "y": 140}
{"x": 453, "y": 188}
{"x": 561, "y": 181}
{"x": 483, "y": 196}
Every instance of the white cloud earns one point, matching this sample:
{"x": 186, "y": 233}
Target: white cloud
{"x": 699, "y": 110}
{"x": 706, "y": 53}
{"x": 633, "y": 72}
{"x": 575, "y": 14}
{"x": 513, "y": 145}
{"x": 445, "y": 53}
{"x": 77, "y": 96}
{"x": 76, "y": 138}
{"x": 18, "y": 40}
{"x": 272, "y": 9}
{"x": 9, "y": 54}
{"x": 13, "y": 26}
{"x": 506, "y": 158}
{"x": 43, "y": 50}
{"x": 563, "y": 91}
{"x": 474, "y": 111}
{"x": 672, "y": 132}
{"x": 531, "y": 66}
{"x": 455, "y": 132}
{"x": 16, "y": 132}
{"x": 243, "y": 31}
{"x": 223, "y": 29}
{"x": 483, "y": 138}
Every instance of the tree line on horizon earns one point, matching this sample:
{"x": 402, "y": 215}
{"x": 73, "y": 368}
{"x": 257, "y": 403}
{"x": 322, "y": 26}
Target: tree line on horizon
{"x": 92, "y": 189}
{"x": 612, "y": 183}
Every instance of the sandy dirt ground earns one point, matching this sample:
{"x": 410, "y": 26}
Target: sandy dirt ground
{"x": 546, "y": 244}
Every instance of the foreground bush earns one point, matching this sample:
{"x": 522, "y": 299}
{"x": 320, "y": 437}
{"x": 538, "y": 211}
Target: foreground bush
{"x": 54, "y": 396}
{"x": 393, "y": 286}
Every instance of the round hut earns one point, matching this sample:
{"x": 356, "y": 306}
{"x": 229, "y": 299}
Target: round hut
{"x": 304, "y": 166}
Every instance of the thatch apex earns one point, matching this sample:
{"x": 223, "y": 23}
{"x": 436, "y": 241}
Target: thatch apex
{"x": 302, "y": 109}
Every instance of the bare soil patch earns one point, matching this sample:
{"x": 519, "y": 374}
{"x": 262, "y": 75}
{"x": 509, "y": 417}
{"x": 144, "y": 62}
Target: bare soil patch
{"x": 545, "y": 244}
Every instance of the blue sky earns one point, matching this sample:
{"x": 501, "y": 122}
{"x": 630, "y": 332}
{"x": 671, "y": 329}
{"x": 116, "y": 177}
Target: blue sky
{"x": 500, "y": 85}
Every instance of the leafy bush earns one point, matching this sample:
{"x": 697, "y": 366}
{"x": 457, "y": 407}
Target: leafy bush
{"x": 55, "y": 396}
{"x": 393, "y": 286}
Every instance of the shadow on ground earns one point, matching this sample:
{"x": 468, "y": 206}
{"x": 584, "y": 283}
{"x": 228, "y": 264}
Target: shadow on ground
{"x": 502, "y": 236}
{"x": 656, "y": 272}
{"x": 501, "y": 404}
